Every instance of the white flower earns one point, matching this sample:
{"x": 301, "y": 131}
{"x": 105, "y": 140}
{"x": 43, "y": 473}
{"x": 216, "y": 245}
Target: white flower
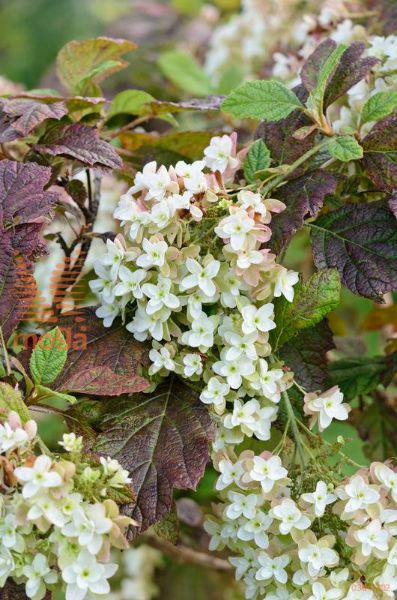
{"x": 130, "y": 282}
{"x": 329, "y": 405}
{"x": 161, "y": 214}
{"x": 38, "y": 574}
{"x": 320, "y": 498}
{"x": 359, "y": 494}
{"x": 87, "y": 575}
{"x": 290, "y": 516}
{"x": 215, "y": 393}
{"x": 257, "y": 319}
{"x": 320, "y": 593}
{"x": 219, "y": 154}
{"x": 358, "y": 591}
{"x": 161, "y": 359}
{"x": 388, "y": 478}
{"x": 160, "y": 295}
{"x": 267, "y": 471}
{"x": 317, "y": 557}
{"x": 6, "y": 565}
{"x": 128, "y": 211}
{"x": 38, "y": 477}
{"x": 241, "y": 505}
{"x": 115, "y": 472}
{"x": 372, "y": 537}
{"x": 243, "y": 414}
{"x": 255, "y": 529}
{"x": 10, "y": 439}
{"x": 114, "y": 257}
{"x": 244, "y": 563}
{"x": 158, "y": 182}
{"x": 268, "y": 381}
{"x": 142, "y": 324}
{"x": 252, "y": 200}
{"x": 154, "y": 254}
{"x": 230, "y": 473}
{"x": 71, "y": 443}
{"x": 285, "y": 283}
{"x": 89, "y": 525}
{"x": 10, "y": 537}
{"x": 104, "y": 286}
{"x": 202, "y": 333}
{"x": 201, "y": 276}
{"x": 193, "y": 177}
{"x": 47, "y": 507}
{"x": 240, "y": 346}
{"x": 236, "y": 228}
{"x": 108, "y": 312}
{"x": 192, "y": 365}
{"x": 234, "y": 371}
{"x": 392, "y": 555}
{"x": 272, "y": 568}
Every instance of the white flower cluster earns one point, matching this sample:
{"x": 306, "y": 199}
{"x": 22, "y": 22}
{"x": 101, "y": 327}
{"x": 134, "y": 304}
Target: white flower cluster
{"x": 195, "y": 277}
{"x": 53, "y": 528}
{"x": 327, "y": 543}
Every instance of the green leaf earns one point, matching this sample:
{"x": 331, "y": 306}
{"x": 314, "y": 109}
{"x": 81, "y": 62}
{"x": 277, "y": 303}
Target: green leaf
{"x": 168, "y": 528}
{"x": 185, "y": 72}
{"x": 82, "y": 65}
{"x": 11, "y": 400}
{"x": 258, "y": 158}
{"x": 269, "y": 100}
{"x": 378, "y": 106}
{"x": 345, "y": 148}
{"x": 315, "y": 101}
{"x": 48, "y": 357}
{"x": 357, "y": 376}
{"x": 130, "y": 102}
{"x": 45, "y": 393}
{"x": 312, "y": 301}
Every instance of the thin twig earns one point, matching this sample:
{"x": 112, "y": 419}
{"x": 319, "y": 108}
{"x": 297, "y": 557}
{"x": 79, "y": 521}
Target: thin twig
{"x": 189, "y": 556}
{"x": 6, "y": 357}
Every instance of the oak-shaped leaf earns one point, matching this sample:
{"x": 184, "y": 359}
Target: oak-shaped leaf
{"x": 313, "y": 299}
{"x": 306, "y": 356}
{"x": 23, "y": 115}
{"x": 23, "y": 198}
{"x": 303, "y": 197}
{"x": 80, "y": 142}
{"x": 360, "y": 375}
{"x": 360, "y": 240}
{"x": 21, "y": 223}
{"x": 81, "y": 65}
{"x": 351, "y": 69}
{"x": 380, "y": 153}
{"x": 162, "y": 439}
{"x": 101, "y": 361}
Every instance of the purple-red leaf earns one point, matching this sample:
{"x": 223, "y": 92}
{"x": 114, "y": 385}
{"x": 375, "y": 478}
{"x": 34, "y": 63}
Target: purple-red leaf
{"x": 311, "y": 68}
{"x": 101, "y": 361}
{"x": 162, "y": 439}
{"x": 80, "y": 142}
{"x": 24, "y": 114}
{"x": 350, "y": 70}
{"x": 306, "y": 356}
{"x": 22, "y": 196}
{"x": 303, "y": 197}
{"x": 380, "y": 153}
{"x": 360, "y": 240}
{"x": 393, "y": 204}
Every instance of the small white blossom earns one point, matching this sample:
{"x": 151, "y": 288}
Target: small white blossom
{"x": 320, "y": 498}
{"x": 38, "y": 477}
{"x": 272, "y": 568}
{"x": 192, "y": 365}
{"x": 267, "y": 471}
{"x": 290, "y": 516}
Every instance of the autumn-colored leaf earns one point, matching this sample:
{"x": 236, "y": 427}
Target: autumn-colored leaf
{"x": 101, "y": 361}
{"x": 80, "y": 142}
{"x": 24, "y": 114}
{"x": 163, "y": 440}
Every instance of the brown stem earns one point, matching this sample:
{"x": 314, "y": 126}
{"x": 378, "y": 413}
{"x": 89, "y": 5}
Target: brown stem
{"x": 189, "y": 556}
{"x": 71, "y": 271}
